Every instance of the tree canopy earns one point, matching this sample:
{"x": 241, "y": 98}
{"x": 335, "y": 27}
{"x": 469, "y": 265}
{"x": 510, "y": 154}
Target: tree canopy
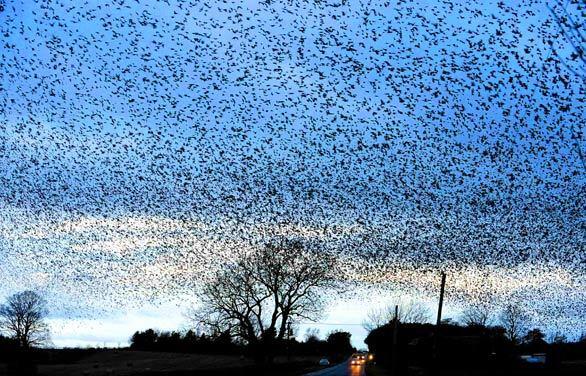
{"x": 23, "y": 318}
{"x": 257, "y": 297}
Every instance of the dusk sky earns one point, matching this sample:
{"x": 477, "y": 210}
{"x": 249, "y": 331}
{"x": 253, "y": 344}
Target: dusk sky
{"x": 144, "y": 143}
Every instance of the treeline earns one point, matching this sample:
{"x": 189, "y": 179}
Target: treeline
{"x": 464, "y": 347}
{"x": 337, "y": 345}
{"x": 188, "y": 342}
{"x": 11, "y": 351}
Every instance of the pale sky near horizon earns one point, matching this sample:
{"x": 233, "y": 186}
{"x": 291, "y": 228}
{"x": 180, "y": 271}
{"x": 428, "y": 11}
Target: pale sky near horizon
{"x": 115, "y": 331}
{"x": 144, "y": 143}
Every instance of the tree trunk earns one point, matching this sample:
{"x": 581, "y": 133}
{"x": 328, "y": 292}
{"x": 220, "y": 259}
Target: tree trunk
{"x": 283, "y": 328}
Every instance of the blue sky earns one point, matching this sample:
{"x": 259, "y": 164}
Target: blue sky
{"x": 142, "y": 143}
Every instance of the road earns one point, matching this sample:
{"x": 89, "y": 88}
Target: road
{"x": 342, "y": 369}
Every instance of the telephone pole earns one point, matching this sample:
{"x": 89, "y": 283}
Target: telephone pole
{"x": 441, "y": 300}
{"x": 394, "y": 365}
{"x": 435, "y": 354}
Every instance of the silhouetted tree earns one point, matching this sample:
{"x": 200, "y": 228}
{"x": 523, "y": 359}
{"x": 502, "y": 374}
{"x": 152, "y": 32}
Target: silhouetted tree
{"x": 151, "y": 340}
{"x": 256, "y": 297}
{"x": 514, "y": 319}
{"x": 339, "y": 343}
{"x": 23, "y": 318}
{"x": 410, "y": 311}
{"x": 476, "y": 314}
{"x": 534, "y": 341}
{"x": 534, "y": 336}
{"x": 311, "y": 334}
{"x": 144, "y": 340}
{"x": 457, "y": 347}
{"x": 572, "y": 30}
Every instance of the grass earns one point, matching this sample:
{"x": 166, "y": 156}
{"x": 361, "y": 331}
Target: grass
{"x": 143, "y": 363}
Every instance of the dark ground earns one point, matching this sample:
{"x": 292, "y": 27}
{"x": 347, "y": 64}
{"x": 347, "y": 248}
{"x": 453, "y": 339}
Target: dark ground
{"x": 135, "y": 363}
{"x": 569, "y": 368}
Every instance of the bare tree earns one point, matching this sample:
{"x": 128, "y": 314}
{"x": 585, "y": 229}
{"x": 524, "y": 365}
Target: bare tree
{"x": 476, "y": 314}
{"x": 514, "y": 319}
{"x": 256, "y": 297}
{"x": 571, "y": 28}
{"x": 410, "y": 311}
{"x": 23, "y": 318}
{"x": 572, "y": 31}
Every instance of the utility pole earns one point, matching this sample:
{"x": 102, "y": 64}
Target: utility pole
{"x": 395, "y": 344}
{"x": 438, "y": 323}
{"x": 441, "y": 300}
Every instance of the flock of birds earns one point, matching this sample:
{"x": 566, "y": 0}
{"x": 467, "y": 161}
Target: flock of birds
{"x": 143, "y": 143}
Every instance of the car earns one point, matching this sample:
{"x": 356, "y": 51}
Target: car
{"x": 357, "y": 359}
{"x": 324, "y": 362}
{"x": 540, "y": 358}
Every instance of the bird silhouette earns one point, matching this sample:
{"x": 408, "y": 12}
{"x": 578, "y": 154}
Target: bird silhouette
{"x": 145, "y": 143}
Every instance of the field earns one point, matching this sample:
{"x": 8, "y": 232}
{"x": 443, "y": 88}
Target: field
{"x": 131, "y": 363}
